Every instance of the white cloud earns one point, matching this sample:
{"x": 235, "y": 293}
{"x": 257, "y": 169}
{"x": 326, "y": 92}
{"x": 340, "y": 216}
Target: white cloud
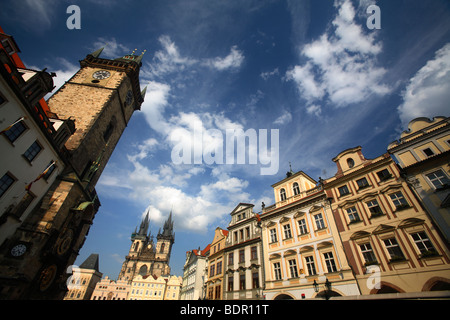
{"x": 314, "y": 109}
{"x": 232, "y": 61}
{"x": 428, "y": 91}
{"x": 268, "y": 74}
{"x": 341, "y": 65}
{"x": 112, "y": 49}
{"x": 286, "y": 117}
{"x": 169, "y": 59}
{"x": 155, "y": 102}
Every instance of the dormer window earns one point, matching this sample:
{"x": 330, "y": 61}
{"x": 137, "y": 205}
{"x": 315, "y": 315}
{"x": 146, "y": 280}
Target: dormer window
{"x": 428, "y": 152}
{"x": 350, "y": 162}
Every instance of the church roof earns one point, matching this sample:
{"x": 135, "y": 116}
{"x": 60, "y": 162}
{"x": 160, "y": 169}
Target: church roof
{"x": 91, "y": 262}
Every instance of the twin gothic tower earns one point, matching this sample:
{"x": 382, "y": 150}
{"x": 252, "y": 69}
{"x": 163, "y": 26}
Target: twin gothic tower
{"x": 145, "y": 257}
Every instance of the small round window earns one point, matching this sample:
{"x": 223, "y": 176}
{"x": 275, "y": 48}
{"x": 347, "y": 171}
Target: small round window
{"x": 350, "y": 162}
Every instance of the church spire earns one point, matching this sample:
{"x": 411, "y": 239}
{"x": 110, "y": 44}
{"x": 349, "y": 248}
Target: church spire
{"x": 168, "y": 227}
{"x": 144, "y": 225}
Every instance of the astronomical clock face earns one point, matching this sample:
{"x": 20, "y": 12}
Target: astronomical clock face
{"x": 65, "y": 242}
{"x": 101, "y": 74}
{"x": 47, "y": 277}
{"x": 18, "y": 250}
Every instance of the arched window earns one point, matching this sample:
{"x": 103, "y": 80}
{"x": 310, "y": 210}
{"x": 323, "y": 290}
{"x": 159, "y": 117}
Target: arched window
{"x": 283, "y": 194}
{"x": 143, "y": 270}
{"x": 296, "y": 189}
{"x": 162, "y": 248}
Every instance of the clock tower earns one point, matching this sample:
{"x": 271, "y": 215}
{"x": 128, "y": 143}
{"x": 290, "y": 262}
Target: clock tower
{"x": 100, "y": 98}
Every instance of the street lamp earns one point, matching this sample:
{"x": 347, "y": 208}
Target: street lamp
{"x": 327, "y": 291}
{"x": 316, "y": 286}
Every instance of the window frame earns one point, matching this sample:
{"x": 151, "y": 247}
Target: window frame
{"x": 343, "y": 190}
{"x": 330, "y": 262}
{"x": 287, "y": 233}
{"x": 320, "y": 222}
{"x": 368, "y": 253}
{"x": 273, "y": 235}
{"x": 34, "y": 155}
{"x": 394, "y": 250}
{"x": 301, "y": 226}
{"x": 438, "y": 178}
{"x": 277, "y": 271}
{"x": 295, "y": 188}
{"x": 310, "y": 265}
{"x": 402, "y": 202}
{"x": 293, "y": 269}
{"x": 353, "y": 216}
{"x": 13, "y": 134}
{"x": 12, "y": 178}
{"x": 282, "y": 194}
{"x": 371, "y": 206}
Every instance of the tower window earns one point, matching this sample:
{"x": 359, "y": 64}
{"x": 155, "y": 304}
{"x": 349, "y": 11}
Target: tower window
{"x": 109, "y": 130}
{"x": 296, "y": 189}
{"x": 282, "y": 194}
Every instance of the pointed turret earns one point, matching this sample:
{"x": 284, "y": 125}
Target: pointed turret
{"x": 97, "y": 53}
{"x": 143, "y": 92}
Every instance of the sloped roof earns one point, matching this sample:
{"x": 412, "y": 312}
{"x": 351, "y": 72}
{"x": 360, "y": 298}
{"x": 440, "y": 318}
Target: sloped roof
{"x": 91, "y": 262}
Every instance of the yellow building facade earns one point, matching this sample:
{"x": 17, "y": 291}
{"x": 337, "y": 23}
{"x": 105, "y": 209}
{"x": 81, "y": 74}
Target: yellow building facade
{"x": 301, "y": 245}
{"x": 423, "y": 153}
{"x": 389, "y": 239}
{"x": 215, "y": 266}
{"x": 150, "y": 287}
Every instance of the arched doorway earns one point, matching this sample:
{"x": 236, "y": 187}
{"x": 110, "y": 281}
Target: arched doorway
{"x": 283, "y": 297}
{"x": 437, "y": 284}
{"x": 386, "y": 287}
{"x": 327, "y": 294}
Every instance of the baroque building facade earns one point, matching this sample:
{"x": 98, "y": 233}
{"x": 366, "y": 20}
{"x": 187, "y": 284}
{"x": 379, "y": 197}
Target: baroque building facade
{"x": 107, "y": 289}
{"x": 100, "y": 99}
{"x": 145, "y": 257}
{"x": 215, "y": 266}
{"x": 422, "y": 153}
{"x": 302, "y": 247}
{"x": 194, "y": 274}
{"x": 389, "y": 239}
{"x": 243, "y": 262}
{"x": 151, "y": 287}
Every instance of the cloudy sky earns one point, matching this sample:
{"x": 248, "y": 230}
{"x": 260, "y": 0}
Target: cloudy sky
{"x": 307, "y": 78}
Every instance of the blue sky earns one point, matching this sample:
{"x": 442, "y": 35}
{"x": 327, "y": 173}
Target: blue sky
{"x": 312, "y": 70}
